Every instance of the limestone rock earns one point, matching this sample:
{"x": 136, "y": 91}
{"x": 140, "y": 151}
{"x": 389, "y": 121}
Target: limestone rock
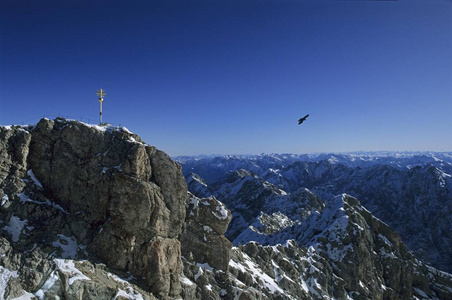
{"x": 91, "y": 212}
{"x": 14, "y": 147}
{"x": 203, "y": 238}
{"x": 93, "y": 191}
{"x": 33, "y": 275}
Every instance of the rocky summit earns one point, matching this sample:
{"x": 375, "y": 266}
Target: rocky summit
{"x": 93, "y": 212}
{"x": 77, "y": 197}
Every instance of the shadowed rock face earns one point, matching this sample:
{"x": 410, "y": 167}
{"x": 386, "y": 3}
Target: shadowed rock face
{"x": 121, "y": 197}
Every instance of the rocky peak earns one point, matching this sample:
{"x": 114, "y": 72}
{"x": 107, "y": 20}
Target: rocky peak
{"x": 340, "y": 252}
{"x": 92, "y": 212}
{"x": 94, "y": 191}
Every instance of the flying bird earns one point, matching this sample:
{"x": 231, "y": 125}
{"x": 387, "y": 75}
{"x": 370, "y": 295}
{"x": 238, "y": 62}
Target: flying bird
{"x": 303, "y": 119}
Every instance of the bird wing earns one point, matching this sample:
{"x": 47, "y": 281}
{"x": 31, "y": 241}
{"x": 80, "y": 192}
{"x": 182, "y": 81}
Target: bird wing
{"x": 303, "y": 119}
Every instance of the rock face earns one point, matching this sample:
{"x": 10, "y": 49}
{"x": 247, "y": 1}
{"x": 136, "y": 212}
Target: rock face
{"x": 203, "y": 239}
{"x": 91, "y": 212}
{"x": 35, "y": 276}
{"x": 99, "y": 190}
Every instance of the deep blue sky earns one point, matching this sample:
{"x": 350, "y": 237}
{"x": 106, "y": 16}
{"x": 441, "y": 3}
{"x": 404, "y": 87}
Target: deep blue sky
{"x": 233, "y": 77}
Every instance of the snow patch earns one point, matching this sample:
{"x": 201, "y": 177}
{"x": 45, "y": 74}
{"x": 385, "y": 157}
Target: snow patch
{"x": 421, "y": 293}
{"x": 205, "y": 266}
{"x": 5, "y": 276}
{"x": 68, "y": 267}
{"x": 385, "y": 239}
{"x": 47, "y": 286}
{"x": 257, "y": 274}
{"x": 68, "y": 246}
{"x": 15, "y": 227}
{"x": 24, "y": 198}
{"x": 222, "y": 211}
{"x": 34, "y": 179}
{"x": 5, "y": 199}
{"x": 336, "y": 253}
{"x": 385, "y": 254}
{"x": 184, "y": 280}
{"x": 98, "y": 128}
{"x": 129, "y": 294}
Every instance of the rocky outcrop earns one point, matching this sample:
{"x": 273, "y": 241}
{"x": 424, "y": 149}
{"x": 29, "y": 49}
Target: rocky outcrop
{"x": 91, "y": 212}
{"x": 205, "y": 249}
{"x": 94, "y": 191}
{"x": 203, "y": 239}
{"x": 341, "y": 252}
{"x": 14, "y": 146}
{"x": 32, "y": 275}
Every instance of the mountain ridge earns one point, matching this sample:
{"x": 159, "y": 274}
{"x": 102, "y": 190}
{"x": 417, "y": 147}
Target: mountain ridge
{"x": 91, "y": 212}
{"x": 411, "y": 193}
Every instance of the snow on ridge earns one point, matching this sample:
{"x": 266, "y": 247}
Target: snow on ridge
{"x": 129, "y": 294}
{"x": 257, "y": 274}
{"x": 53, "y": 277}
{"x": 195, "y": 177}
{"x": 34, "y": 179}
{"x": 385, "y": 239}
{"x": 23, "y": 198}
{"x": 101, "y": 128}
{"x": 22, "y": 128}
{"x": 98, "y": 127}
{"x": 68, "y": 267}
{"x": 65, "y": 266}
{"x": 5, "y": 276}
{"x": 5, "y": 199}
{"x": 220, "y": 211}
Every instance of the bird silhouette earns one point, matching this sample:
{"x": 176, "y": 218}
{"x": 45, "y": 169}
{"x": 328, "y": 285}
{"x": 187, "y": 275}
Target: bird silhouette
{"x": 303, "y": 119}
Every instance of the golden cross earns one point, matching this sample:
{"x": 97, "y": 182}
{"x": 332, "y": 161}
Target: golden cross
{"x": 100, "y": 93}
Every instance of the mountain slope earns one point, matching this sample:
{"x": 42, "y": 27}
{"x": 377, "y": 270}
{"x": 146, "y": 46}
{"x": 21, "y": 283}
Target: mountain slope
{"x": 91, "y": 212}
{"x": 412, "y": 192}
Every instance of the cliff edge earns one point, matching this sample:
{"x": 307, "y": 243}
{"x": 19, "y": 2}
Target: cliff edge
{"x": 74, "y": 191}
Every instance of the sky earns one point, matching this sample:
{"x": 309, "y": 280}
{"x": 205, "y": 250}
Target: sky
{"x": 233, "y": 77}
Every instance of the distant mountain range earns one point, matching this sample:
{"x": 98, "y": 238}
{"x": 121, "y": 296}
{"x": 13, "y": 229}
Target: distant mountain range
{"x": 93, "y": 212}
{"x": 409, "y": 191}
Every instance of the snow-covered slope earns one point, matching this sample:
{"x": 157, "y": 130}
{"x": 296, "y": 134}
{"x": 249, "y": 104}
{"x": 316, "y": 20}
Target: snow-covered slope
{"x": 412, "y": 192}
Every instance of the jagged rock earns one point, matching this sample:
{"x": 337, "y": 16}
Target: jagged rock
{"x": 91, "y": 212}
{"x": 203, "y": 238}
{"x": 341, "y": 250}
{"x": 346, "y": 252}
{"x": 99, "y": 191}
{"x": 410, "y": 191}
{"x": 14, "y": 146}
{"x": 34, "y": 276}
